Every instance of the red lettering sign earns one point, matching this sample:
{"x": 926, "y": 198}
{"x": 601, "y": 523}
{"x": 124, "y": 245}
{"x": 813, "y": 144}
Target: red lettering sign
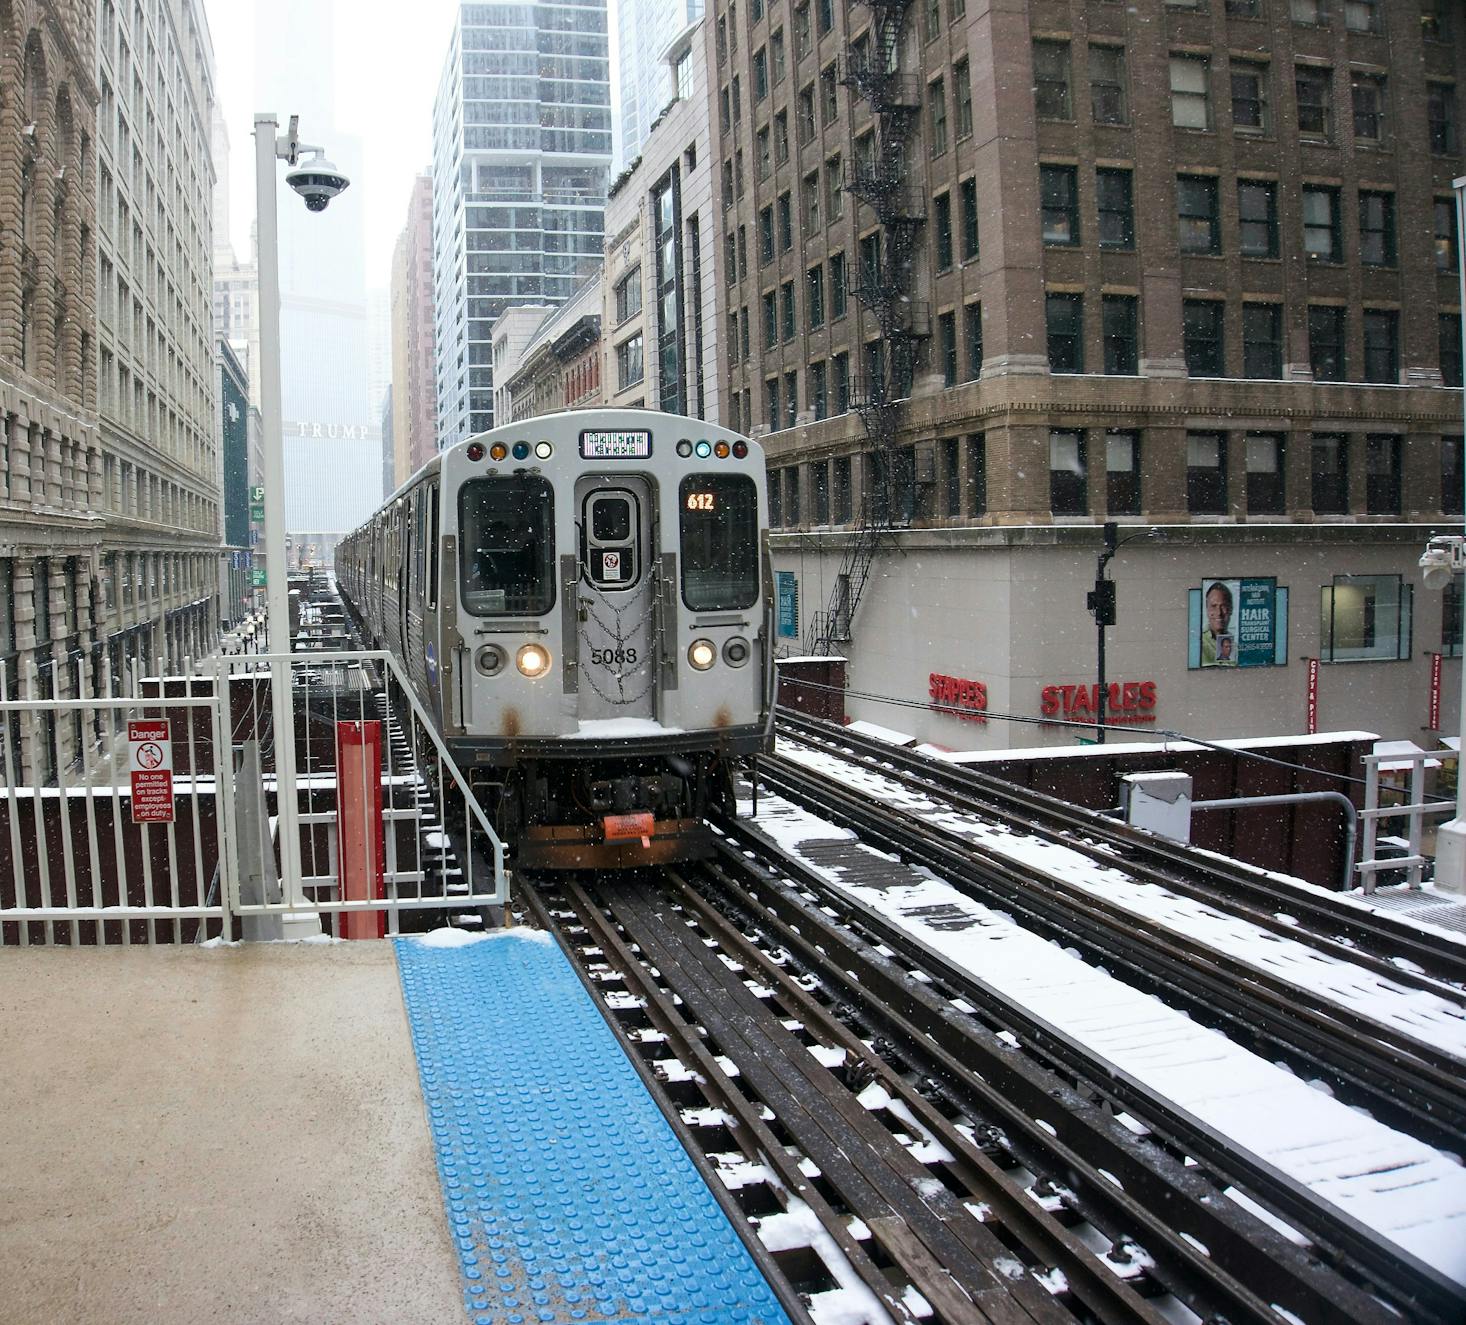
{"x": 1126, "y": 702}
{"x": 150, "y": 763}
{"x": 1312, "y": 696}
{"x": 958, "y": 697}
{"x": 1434, "y": 723}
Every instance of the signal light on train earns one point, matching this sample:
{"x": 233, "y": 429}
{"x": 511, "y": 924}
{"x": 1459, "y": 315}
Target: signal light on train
{"x": 533, "y": 660}
{"x": 704, "y": 450}
{"x": 475, "y": 450}
{"x": 490, "y": 660}
{"x": 498, "y": 451}
{"x": 521, "y": 450}
{"x": 701, "y": 654}
{"x": 721, "y": 450}
{"x": 740, "y": 450}
{"x": 735, "y": 651}
{"x": 543, "y": 450}
{"x": 684, "y": 448}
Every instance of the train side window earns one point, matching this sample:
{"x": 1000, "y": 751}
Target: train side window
{"x": 432, "y": 547}
{"x": 720, "y": 544}
{"x": 507, "y": 546}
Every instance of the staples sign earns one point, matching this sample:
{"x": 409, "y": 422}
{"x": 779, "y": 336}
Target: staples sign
{"x": 1126, "y": 702}
{"x": 960, "y": 698}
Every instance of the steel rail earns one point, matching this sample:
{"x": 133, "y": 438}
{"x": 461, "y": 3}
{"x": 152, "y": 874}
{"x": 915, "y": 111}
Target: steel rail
{"x": 1407, "y": 1083}
{"x": 1051, "y": 1101}
{"x": 1371, "y": 938}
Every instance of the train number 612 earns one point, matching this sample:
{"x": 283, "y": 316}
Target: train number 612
{"x": 612, "y": 657}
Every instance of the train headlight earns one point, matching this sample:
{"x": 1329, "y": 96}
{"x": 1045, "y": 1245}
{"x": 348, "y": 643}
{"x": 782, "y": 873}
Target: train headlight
{"x": 490, "y": 660}
{"x": 533, "y": 660}
{"x": 735, "y": 651}
{"x": 701, "y": 654}
{"x": 543, "y": 450}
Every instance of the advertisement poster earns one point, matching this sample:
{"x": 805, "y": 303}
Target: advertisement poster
{"x": 1239, "y": 623}
{"x": 788, "y": 591}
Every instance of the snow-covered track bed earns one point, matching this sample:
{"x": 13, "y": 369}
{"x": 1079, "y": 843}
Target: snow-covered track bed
{"x": 894, "y": 1158}
{"x": 1418, "y": 956}
{"x": 1371, "y": 1200}
{"x": 1397, "y": 1051}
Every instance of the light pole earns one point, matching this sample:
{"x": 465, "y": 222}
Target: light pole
{"x": 1442, "y": 560}
{"x": 1101, "y": 601}
{"x": 317, "y": 182}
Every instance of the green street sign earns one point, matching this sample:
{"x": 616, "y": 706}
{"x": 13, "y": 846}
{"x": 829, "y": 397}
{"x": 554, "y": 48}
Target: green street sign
{"x": 257, "y": 577}
{"x": 257, "y": 513}
{"x": 257, "y": 494}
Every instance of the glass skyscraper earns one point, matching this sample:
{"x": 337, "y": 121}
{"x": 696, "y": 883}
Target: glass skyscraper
{"x": 521, "y": 147}
{"x": 645, "y": 29}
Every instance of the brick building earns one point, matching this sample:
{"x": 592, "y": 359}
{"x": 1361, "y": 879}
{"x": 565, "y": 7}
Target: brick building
{"x": 994, "y": 277}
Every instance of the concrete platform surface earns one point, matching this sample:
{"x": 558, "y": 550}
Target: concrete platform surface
{"x": 226, "y": 1134}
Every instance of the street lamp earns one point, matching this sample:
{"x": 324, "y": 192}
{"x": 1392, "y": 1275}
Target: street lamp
{"x": 317, "y": 181}
{"x": 1101, "y": 601}
{"x": 1442, "y": 560}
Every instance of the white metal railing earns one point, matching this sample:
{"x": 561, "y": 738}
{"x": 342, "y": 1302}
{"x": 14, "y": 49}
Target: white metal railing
{"x": 1414, "y": 810}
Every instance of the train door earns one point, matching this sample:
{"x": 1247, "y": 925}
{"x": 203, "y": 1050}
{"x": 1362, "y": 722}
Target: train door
{"x": 617, "y": 600}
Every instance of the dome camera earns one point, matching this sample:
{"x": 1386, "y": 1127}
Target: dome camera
{"x": 1442, "y": 561}
{"x": 317, "y": 182}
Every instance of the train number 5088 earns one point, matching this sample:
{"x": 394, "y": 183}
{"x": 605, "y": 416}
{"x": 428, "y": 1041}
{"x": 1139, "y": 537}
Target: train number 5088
{"x": 612, "y": 657}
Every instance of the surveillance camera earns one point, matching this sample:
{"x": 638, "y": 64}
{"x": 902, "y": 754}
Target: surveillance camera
{"x": 317, "y": 182}
{"x": 1443, "y": 558}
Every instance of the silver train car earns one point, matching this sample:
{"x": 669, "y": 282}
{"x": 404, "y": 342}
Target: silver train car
{"x": 583, "y": 603}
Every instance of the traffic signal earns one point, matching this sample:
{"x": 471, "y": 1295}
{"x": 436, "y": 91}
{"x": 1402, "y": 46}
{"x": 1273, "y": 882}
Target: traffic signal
{"x": 1101, "y": 601}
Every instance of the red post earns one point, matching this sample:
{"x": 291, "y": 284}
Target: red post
{"x": 361, "y": 851}
{"x": 1312, "y": 696}
{"x": 1433, "y": 722}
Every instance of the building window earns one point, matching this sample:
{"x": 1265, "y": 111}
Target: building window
{"x": 819, "y": 491}
{"x": 947, "y": 335}
{"x": 628, "y": 295}
{"x": 1447, "y": 241}
{"x": 1369, "y": 108}
{"x": 760, "y": 74}
{"x": 629, "y": 363}
{"x": 776, "y": 495}
{"x": 1326, "y": 329}
{"x": 1122, "y": 473}
{"x": 786, "y": 222}
{"x": 829, "y": 94}
{"x": 1262, "y": 340}
{"x": 1264, "y": 473}
{"x": 781, "y": 137}
{"x": 834, "y": 188}
{"x": 771, "y": 319}
{"x": 811, "y": 198}
{"x": 936, "y": 100}
{"x": 1312, "y": 12}
{"x": 1314, "y": 89}
{"x": 776, "y": 55}
{"x": 771, "y": 397}
{"x": 1453, "y": 497}
{"x": 870, "y": 262}
{"x": 1120, "y": 316}
{"x": 967, "y": 198}
{"x": 1202, "y": 323}
{"x": 814, "y": 303}
{"x": 840, "y": 370}
{"x": 1366, "y": 618}
{"x": 1450, "y": 338}
{"x": 1107, "y": 84}
{"x": 745, "y": 330}
{"x": 786, "y": 296}
{"x": 1206, "y": 473}
{"x": 824, "y": 15}
{"x": 1440, "y": 115}
{"x": 1381, "y": 345}
{"x": 791, "y": 413}
{"x": 1243, "y": 8}
{"x": 1362, "y": 15}
{"x": 819, "y": 400}
{"x": 1257, "y": 218}
{"x": 837, "y": 285}
{"x": 1249, "y": 97}
{"x": 948, "y": 452}
{"x": 1197, "y": 213}
{"x": 1321, "y": 238}
{"x": 942, "y": 209}
{"x": 977, "y": 475}
{"x": 1068, "y": 474}
{"x": 1330, "y": 474}
{"x": 972, "y": 315}
{"x": 1065, "y": 319}
{"x": 962, "y": 90}
{"x": 1116, "y": 208}
{"x": 1051, "y": 80}
{"x": 1377, "y": 229}
{"x": 1059, "y": 194}
{"x": 1190, "y": 102}
{"x": 1382, "y": 474}
{"x": 804, "y": 114}
{"x": 766, "y": 234}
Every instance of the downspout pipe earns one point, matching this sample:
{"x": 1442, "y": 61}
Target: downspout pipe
{"x": 1351, "y": 816}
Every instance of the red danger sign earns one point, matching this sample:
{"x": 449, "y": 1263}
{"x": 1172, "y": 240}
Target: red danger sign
{"x": 150, "y": 763}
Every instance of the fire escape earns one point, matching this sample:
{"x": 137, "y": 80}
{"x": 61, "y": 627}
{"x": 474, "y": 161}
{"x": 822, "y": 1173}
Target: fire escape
{"x": 883, "y": 278}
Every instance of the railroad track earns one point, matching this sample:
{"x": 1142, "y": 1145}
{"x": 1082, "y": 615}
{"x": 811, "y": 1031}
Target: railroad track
{"x": 1377, "y": 940}
{"x": 882, "y": 1142}
{"x": 1402, "y": 1080}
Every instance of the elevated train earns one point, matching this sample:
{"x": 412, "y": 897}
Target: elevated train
{"x": 583, "y": 603}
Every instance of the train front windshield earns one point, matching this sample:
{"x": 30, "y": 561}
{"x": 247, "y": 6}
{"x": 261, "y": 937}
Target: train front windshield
{"x": 506, "y": 535}
{"x": 719, "y": 542}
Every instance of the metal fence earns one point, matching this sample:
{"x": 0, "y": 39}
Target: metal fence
{"x": 261, "y": 843}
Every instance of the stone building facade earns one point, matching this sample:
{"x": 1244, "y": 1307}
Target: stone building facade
{"x": 559, "y": 367}
{"x": 161, "y": 472}
{"x": 995, "y": 278}
{"x": 51, "y": 536}
{"x": 414, "y": 401}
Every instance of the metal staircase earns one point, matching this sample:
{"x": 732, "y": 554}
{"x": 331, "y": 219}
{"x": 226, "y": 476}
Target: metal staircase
{"x": 883, "y": 281}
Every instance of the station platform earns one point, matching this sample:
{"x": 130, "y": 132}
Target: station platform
{"x": 373, "y": 1132}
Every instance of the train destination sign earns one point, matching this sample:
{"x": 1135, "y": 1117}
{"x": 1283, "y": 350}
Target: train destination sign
{"x": 615, "y": 444}
{"x": 150, "y": 762}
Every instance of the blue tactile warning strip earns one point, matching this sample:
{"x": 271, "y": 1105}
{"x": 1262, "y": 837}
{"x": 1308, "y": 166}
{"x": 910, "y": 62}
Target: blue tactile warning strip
{"x": 568, "y": 1196}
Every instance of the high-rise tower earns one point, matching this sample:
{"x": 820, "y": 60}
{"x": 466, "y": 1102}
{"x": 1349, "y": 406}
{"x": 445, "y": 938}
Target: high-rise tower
{"x": 644, "y": 31}
{"x": 521, "y": 145}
